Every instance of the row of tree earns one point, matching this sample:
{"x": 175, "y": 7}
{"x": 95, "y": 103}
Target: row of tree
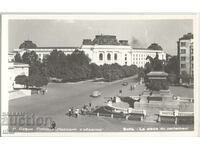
{"x": 77, "y": 67}
{"x": 73, "y": 67}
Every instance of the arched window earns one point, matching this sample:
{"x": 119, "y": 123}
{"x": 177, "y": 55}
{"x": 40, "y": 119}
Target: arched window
{"x": 108, "y": 56}
{"x": 115, "y": 56}
{"x": 100, "y": 56}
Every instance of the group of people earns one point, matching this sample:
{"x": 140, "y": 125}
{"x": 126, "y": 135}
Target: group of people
{"x": 75, "y": 112}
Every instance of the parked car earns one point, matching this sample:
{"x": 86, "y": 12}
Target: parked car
{"x": 125, "y": 83}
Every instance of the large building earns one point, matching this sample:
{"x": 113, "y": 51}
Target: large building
{"x": 185, "y": 54}
{"x": 103, "y": 49}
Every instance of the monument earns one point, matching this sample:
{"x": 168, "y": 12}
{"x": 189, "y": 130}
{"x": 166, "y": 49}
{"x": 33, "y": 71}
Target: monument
{"x": 157, "y": 84}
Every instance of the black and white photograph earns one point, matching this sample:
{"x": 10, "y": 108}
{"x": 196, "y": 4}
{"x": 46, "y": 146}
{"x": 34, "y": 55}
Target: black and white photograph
{"x": 99, "y": 74}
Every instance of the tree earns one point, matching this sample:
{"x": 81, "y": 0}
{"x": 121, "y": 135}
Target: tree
{"x": 172, "y": 78}
{"x": 172, "y": 65}
{"x": 37, "y": 80}
{"x": 37, "y": 75}
{"x": 37, "y": 70}
{"x": 29, "y": 57}
{"x": 185, "y": 77}
{"x": 22, "y": 79}
{"x": 95, "y": 71}
{"x": 18, "y": 58}
{"x": 56, "y": 63}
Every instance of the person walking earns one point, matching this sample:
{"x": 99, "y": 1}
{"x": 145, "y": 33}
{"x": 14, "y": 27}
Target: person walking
{"x": 69, "y": 112}
{"x": 53, "y": 125}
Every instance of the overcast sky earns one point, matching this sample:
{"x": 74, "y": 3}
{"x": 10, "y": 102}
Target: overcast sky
{"x": 72, "y": 32}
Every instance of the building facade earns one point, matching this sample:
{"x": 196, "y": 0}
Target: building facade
{"x": 103, "y": 49}
{"x": 185, "y": 54}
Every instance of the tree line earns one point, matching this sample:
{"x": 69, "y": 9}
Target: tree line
{"x": 68, "y": 68}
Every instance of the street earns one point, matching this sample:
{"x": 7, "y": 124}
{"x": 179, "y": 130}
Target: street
{"x": 61, "y": 96}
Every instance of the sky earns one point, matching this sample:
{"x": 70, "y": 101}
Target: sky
{"x": 139, "y": 33}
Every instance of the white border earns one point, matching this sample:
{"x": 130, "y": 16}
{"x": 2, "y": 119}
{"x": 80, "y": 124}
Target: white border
{"x": 95, "y": 16}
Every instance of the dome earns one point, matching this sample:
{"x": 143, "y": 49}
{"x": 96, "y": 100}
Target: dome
{"x": 155, "y": 46}
{"x": 27, "y": 45}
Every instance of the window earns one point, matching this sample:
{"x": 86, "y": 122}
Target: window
{"x": 192, "y": 51}
{"x": 101, "y": 56}
{"x": 183, "y": 65}
{"x": 182, "y": 58}
{"x": 192, "y": 58}
{"x": 108, "y": 56}
{"x": 125, "y": 56}
{"x": 183, "y": 43}
{"x": 115, "y": 56}
{"x": 183, "y": 51}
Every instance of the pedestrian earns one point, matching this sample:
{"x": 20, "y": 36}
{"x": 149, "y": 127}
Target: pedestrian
{"x": 120, "y": 91}
{"x": 90, "y": 104}
{"x": 53, "y": 125}
{"x": 70, "y": 112}
{"x": 133, "y": 88}
{"x": 76, "y": 113}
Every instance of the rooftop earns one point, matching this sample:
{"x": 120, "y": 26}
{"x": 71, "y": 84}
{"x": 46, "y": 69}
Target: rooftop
{"x": 30, "y": 45}
{"x": 155, "y": 46}
{"x": 104, "y": 40}
{"x": 187, "y": 36}
{"x": 56, "y": 47}
{"x": 157, "y": 74}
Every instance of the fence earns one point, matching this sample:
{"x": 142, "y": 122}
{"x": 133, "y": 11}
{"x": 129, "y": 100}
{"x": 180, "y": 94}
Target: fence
{"x": 132, "y": 116}
{"x": 176, "y": 117}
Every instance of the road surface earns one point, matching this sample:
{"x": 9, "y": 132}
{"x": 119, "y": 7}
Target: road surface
{"x": 61, "y": 96}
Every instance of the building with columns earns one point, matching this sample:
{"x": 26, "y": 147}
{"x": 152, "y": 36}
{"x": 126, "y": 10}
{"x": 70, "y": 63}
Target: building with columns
{"x": 103, "y": 49}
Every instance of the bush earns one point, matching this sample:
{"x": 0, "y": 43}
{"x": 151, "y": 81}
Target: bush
{"x": 37, "y": 80}
{"x": 22, "y": 79}
{"x": 172, "y": 78}
{"x": 185, "y": 77}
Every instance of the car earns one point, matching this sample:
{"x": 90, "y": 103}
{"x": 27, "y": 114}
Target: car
{"x": 125, "y": 83}
{"x": 96, "y": 94}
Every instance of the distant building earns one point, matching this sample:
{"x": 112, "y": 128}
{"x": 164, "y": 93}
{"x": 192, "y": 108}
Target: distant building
{"x": 15, "y": 69}
{"x": 185, "y": 54}
{"x": 103, "y": 49}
